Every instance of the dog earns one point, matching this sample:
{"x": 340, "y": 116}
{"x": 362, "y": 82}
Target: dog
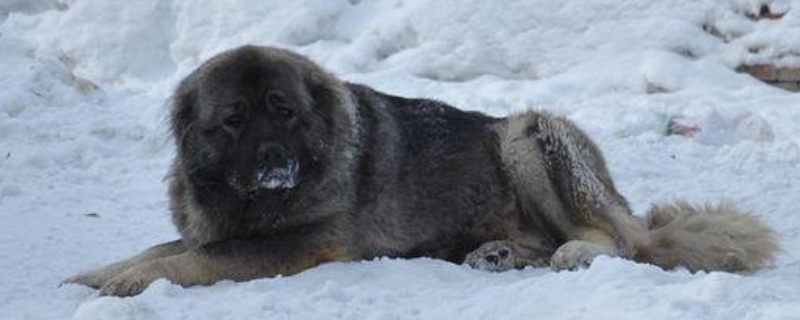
{"x": 281, "y": 166}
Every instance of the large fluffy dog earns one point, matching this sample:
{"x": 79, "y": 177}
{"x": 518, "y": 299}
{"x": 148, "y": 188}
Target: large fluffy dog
{"x": 281, "y": 166}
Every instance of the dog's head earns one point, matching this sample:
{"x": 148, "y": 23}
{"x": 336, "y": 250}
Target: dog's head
{"x": 259, "y": 120}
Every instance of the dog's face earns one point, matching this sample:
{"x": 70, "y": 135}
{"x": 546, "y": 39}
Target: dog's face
{"x": 257, "y": 122}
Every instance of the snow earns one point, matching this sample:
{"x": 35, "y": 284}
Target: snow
{"x": 84, "y": 145}
{"x": 278, "y": 178}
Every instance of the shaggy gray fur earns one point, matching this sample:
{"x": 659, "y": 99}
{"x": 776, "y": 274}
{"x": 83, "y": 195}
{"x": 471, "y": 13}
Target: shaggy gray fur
{"x": 710, "y": 237}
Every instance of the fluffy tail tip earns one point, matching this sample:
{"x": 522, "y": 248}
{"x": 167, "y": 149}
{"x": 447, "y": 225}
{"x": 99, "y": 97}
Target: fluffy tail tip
{"x": 714, "y": 237}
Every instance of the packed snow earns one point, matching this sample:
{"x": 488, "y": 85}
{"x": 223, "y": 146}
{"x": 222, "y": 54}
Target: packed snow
{"x": 84, "y": 144}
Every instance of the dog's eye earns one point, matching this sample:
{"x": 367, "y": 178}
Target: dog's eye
{"x": 276, "y": 99}
{"x": 233, "y": 121}
{"x": 286, "y": 113}
{"x": 239, "y": 106}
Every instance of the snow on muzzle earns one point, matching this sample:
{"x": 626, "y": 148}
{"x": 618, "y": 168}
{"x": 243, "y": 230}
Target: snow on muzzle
{"x": 278, "y": 177}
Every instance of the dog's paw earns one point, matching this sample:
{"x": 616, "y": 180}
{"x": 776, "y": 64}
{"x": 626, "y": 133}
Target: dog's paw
{"x": 492, "y": 256}
{"x": 93, "y": 279}
{"x": 577, "y": 254}
{"x": 89, "y": 279}
{"x": 133, "y": 281}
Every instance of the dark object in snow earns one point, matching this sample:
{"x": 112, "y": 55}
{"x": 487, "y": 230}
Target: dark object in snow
{"x": 787, "y": 78}
{"x": 764, "y": 12}
{"x": 683, "y": 127}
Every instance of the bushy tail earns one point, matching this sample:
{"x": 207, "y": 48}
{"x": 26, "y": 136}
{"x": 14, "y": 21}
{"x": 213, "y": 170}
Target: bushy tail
{"x": 709, "y": 238}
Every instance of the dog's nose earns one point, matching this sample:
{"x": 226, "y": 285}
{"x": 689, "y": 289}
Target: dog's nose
{"x": 272, "y": 154}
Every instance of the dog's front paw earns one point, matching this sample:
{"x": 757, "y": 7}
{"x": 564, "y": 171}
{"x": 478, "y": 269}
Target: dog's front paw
{"x": 577, "y": 254}
{"x": 91, "y": 279}
{"x": 95, "y": 279}
{"x": 492, "y": 256}
{"x": 133, "y": 281}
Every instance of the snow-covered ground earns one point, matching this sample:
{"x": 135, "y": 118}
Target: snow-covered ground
{"x": 84, "y": 145}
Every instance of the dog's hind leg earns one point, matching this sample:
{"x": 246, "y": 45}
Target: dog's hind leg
{"x": 517, "y": 253}
{"x": 560, "y": 177}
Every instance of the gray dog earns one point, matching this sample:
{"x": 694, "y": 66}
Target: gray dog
{"x": 281, "y": 166}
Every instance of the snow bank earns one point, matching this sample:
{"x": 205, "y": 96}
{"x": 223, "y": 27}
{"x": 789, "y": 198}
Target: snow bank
{"x": 83, "y": 144}
{"x": 611, "y": 289}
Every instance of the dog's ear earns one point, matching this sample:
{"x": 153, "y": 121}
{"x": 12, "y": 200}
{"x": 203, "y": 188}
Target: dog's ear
{"x": 183, "y": 109}
{"x": 331, "y": 98}
{"x": 323, "y": 98}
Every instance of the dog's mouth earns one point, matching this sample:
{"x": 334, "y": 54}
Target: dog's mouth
{"x": 272, "y": 177}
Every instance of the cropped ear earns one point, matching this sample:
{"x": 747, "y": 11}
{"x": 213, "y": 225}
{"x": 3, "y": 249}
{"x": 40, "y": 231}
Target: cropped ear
{"x": 330, "y": 98}
{"x": 183, "y": 110}
{"x": 324, "y": 100}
